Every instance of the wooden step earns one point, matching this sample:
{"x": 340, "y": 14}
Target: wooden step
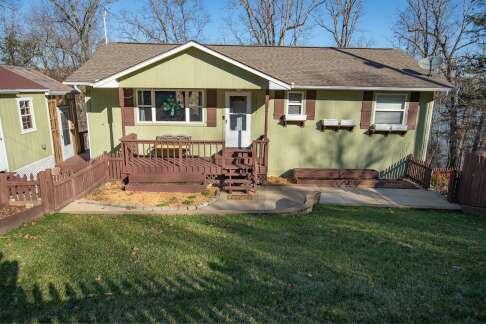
{"x": 237, "y": 181}
{"x": 165, "y": 187}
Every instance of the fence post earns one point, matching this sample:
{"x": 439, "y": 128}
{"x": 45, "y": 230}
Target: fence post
{"x": 4, "y": 194}
{"x": 46, "y": 186}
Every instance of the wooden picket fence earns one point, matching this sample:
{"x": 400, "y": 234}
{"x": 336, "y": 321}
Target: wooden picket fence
{"x": 418, "y": 171}
{"x": 56, "y": 190}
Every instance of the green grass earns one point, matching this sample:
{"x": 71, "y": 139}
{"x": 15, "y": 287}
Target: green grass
{"x": 336, "y": 264}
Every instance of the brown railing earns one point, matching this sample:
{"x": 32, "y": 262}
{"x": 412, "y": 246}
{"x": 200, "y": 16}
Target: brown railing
{"x": 418, "y": 171}
{"x": 183, "y": 158}
{"x": 162, "y": 157}
{"x": 260, "y": 158}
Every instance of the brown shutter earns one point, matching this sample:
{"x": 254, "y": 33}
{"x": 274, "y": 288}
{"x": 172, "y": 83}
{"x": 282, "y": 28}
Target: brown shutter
{"x": 127, "y": 104}
{"x": 413, "y": 108}
{"x": 366, "y": 108}
{"x": 310, "y": 104}
{"x": 279, "y": 104}
{"x": 211, "y": 103}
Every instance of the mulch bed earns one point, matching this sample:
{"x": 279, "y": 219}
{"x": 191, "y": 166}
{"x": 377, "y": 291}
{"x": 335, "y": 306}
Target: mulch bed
{"x": 7, "y": 211}
{"x": 114, "y": 193}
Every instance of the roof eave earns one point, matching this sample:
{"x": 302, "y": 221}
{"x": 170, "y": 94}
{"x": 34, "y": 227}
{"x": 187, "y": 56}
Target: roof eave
{"x": 373, "y": 88}
{"x": 14, "y": 91}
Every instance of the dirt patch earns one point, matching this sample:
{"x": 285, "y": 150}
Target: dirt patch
{"x": 7, "y": 211}
{"x": 272, "y": 180}
{"x": 114, "y": 193}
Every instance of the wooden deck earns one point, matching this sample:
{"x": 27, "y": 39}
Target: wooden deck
{"x": 194, "y": 162}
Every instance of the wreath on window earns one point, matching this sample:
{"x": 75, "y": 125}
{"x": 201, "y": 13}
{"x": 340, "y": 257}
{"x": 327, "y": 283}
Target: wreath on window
{"x": 171, "y": 106}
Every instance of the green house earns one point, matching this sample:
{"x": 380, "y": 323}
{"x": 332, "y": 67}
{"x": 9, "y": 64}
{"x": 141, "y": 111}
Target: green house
{"x": 38, "y": 127}
{"x": 317, "y": 107}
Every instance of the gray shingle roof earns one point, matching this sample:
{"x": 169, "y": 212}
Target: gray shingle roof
{"x": 302, "y": 66}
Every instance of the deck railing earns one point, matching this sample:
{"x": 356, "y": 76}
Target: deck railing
{"x": 168, "y": 157}
{"x": 171, "y": 156}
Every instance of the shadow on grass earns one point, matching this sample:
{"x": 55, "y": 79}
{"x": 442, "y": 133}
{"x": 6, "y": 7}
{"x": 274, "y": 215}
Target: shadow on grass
{"x": 334, "y": 265}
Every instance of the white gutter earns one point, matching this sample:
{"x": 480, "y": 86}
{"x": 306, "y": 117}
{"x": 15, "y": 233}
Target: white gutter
{"x": 13, "y": 91}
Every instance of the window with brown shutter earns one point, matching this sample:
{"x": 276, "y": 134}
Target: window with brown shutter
{"x": 413, "y": 109}
{"x": 310, "y": 104}
{"x": 366, "y": 109}
{"x": 279, "y": 105}
{"x": 211, "y": 103}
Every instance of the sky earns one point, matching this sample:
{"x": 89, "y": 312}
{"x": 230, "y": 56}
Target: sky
{"x": 375, "y": 26}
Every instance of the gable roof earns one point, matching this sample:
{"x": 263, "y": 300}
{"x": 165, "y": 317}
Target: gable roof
{"x": 292, "y": 67}
{"x": 20, "y": 79}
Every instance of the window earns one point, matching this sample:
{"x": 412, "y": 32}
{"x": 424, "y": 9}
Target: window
{"x": 182, "y": 106}
{"x": 27, "y": 122}
{"x": 390, "y": 109}
{"x": 295, "y": 103}
{"x": 144, "y": 105}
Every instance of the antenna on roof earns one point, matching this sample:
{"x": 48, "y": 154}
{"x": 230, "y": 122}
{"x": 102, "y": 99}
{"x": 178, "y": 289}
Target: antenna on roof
{"x": 430, "y": 63}
{"x": 105, "y": 13}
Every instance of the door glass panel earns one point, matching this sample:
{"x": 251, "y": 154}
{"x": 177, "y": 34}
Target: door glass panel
{"x": 238, "y": 104}
{"x": 238, "y": 122}
{"x": 66, "y": 133}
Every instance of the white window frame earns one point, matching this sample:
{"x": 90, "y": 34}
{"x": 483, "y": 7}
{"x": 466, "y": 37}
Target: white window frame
{"x": 162, "y": 122}
{"x": 32, "y": 115}
{"x": 287, "y": 102}
{"x": 405, "y": 108}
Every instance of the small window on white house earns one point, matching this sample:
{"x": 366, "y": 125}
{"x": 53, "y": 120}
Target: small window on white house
{"x": 295, "y": 103}
{"x": 27, "y": 122}
{"x": 390, "y": 109}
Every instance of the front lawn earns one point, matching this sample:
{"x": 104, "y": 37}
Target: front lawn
{"x": 336, "y": 264}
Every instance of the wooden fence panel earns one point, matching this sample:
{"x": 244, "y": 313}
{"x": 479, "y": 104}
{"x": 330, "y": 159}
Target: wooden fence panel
{"x": 115, "y": 165}
{"x": 68, "y": 187}
{"x": 418, "y": 171}
{"x": 472, "y": 183}
{"x": 22, "y": 188}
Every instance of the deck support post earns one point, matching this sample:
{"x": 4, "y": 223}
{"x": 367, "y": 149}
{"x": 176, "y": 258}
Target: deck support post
{"x": 121, "y": 97}
{"x": 267, "y": 98}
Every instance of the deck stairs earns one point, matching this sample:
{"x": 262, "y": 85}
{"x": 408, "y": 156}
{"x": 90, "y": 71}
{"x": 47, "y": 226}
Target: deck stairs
{"x": 237, "y": 171}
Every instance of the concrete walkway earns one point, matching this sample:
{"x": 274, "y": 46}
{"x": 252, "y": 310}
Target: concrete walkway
{"x": 380, "y": 197}
{"x": 272, "y": 199}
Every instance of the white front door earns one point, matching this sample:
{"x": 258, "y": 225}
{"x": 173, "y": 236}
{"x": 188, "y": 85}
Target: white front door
{"x": 238, "y": 119}
{"x": 3, "y": 151}
{"x": 65, "y": 131}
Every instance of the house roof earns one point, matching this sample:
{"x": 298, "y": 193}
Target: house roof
{"x": 20, "y": 79}
{"x": 299, "y": 67}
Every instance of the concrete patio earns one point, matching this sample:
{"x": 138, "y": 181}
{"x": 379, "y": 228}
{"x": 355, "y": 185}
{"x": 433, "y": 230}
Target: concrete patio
{"x": 380, "y": 197}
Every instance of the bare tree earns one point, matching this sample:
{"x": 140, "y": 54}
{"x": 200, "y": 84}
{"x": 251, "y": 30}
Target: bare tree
{"x": 166, "y": 21}
{"x": 442, "y": 27}
{"x": 341, "y": 20}
{"x": 272, "y": 22}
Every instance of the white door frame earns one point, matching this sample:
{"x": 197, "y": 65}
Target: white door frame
{"x": 246, "y": 141}
{"x": 3, "y": 149}
{"x": 61, "y": 133}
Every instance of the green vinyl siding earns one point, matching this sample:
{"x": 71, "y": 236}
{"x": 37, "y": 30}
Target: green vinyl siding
{"x": 193, "y": 69}
{"x": 308, "y": 146}
{"x": 290, "y": 147}
{"x": 24, "y": 149}
{"x": 104, "y": 120}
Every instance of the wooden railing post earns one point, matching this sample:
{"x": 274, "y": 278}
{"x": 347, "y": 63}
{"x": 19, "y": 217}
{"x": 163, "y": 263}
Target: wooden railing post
{"x": 46, "y": 187}
{"x": 4, "y": 194}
